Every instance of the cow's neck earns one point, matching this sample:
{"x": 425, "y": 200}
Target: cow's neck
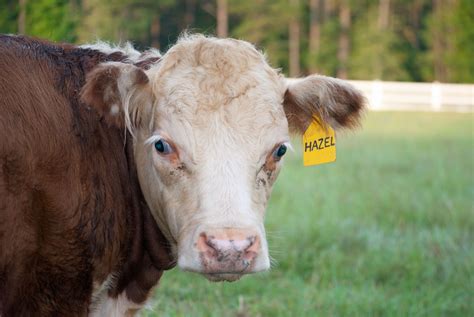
{"x": 149, "y": 252}
{"x": 143, "y": 259}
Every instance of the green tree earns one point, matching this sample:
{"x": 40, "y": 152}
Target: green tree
{"x": 377, "y": 48}
{"x": 8, "y": 16}
{"x": 421, "y": 40}
{"x": 461, "y": 59}
{"x": 52, "y": 19}
{"x": 450, "y": 39}
{"x": 326, "y": 56}
{"x": 123, "y": 20}
{"x": 264, "y": 23}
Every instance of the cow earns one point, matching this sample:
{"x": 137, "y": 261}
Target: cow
{"x": 116, "y": 165}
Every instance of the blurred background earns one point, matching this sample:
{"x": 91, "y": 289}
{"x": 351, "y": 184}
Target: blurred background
{"x": 387, "y": 230}
{"x": 402, "y": 40}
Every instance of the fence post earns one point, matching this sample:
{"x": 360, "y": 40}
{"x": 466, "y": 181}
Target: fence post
{"x": 436, "y": 96}
{"x": 377, "y": 94}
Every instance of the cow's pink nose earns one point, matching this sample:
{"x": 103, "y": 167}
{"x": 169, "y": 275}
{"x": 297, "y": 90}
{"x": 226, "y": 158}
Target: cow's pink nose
{"x": 228, "y": 250}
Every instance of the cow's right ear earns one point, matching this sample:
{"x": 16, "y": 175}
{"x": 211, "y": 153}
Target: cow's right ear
{"x": 119, "y": 92}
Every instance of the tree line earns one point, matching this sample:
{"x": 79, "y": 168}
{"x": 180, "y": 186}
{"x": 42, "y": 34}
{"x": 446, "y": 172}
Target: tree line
{"x": 405, "y": 40}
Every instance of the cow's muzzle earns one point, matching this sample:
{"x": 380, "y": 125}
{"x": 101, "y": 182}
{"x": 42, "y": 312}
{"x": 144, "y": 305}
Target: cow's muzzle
{"x": 227, "y": 254}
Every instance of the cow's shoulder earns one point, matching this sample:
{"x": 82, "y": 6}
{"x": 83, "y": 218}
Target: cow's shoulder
{"x": 67, "y": 210}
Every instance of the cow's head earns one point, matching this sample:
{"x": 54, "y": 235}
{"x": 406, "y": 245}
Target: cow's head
{"x": 210, "y": 125}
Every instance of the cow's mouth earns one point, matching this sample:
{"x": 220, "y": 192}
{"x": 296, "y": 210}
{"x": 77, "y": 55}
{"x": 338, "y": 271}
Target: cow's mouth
{"x": 220, "y": 277}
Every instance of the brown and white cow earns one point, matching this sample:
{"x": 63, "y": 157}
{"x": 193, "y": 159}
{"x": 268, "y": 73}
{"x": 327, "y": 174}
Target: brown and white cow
{"x": 116, "y": 165}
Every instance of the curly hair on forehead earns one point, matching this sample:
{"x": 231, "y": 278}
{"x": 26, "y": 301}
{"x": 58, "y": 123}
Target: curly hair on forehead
{"x": 215, "y": 55}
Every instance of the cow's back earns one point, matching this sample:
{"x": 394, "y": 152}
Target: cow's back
{"x": 59, "y": 166}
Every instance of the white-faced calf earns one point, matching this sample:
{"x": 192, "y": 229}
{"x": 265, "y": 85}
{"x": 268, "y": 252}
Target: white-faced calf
{"x": 116, "y": 165}
{"x": 211, "y": 125}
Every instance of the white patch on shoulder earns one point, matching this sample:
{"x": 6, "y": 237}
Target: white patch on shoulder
{"x": 102, "y": 305}
{"x": 99, "y": 295}
{"x": 116, "y": 307}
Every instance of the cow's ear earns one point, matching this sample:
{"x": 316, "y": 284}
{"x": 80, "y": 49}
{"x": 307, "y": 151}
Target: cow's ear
{"x": 119, "y": 92}
{"x": 325, "y": 99}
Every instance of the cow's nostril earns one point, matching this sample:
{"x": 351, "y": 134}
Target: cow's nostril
{"x": 252, "y": 239}
{"x": 253, "y": 244}
{"x": 206, "y": 245}
{"x": 211, "y": 244}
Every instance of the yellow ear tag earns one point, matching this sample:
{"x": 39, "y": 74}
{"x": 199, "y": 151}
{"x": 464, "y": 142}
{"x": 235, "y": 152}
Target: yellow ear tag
{"x": 319, "y": 145}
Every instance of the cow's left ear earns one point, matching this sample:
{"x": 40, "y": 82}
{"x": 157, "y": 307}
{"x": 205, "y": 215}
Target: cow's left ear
{"x": 119, "y": 92}
{"x": 329, "y": 100}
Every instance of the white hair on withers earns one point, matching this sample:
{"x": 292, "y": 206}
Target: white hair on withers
{"x": 127, "y": 49}
{"x": 107, "y": 48}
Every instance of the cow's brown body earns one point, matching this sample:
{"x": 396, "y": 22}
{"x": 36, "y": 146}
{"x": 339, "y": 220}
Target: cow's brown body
{"x": 71, "y": 209}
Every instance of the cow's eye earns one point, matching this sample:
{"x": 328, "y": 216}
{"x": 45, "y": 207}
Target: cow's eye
{"x": 279, "y": 152}
{"x": 163, "y": 147}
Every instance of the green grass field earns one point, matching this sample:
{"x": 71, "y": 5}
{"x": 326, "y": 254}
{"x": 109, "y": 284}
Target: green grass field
{"x": 387, "y": 230}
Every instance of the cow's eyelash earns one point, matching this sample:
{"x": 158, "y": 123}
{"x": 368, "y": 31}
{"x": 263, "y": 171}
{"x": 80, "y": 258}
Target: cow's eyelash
{"x": 289, "y": 146}
{"x": 153, "y": 139}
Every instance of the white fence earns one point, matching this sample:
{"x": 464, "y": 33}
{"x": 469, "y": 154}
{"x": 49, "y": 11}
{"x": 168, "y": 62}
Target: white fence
{"x": 408, "y": 96}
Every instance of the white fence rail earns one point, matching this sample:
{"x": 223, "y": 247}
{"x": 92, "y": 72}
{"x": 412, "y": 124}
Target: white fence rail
{"x": 408, "y": 96}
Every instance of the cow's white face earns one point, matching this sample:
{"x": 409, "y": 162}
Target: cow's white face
{"x": 211, "y": 130}
{"x": 208, "y": 164}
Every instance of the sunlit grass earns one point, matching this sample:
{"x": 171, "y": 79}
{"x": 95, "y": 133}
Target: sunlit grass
{"x": 388, "y": 230}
